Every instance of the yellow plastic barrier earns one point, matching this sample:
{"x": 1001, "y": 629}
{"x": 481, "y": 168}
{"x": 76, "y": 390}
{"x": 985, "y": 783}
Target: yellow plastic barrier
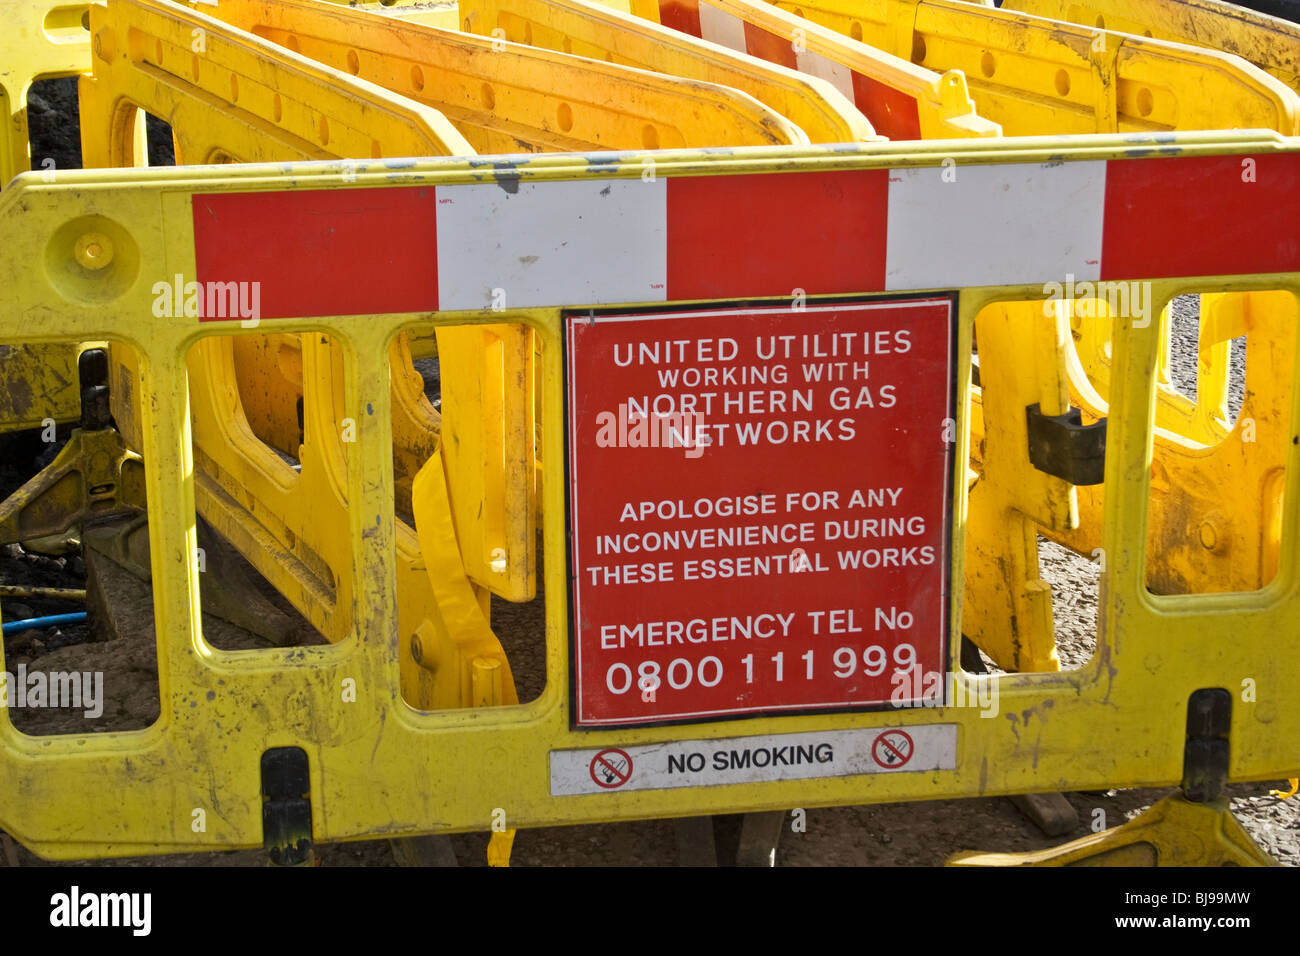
{"x": 290, "y": 526}
{"x": 902, "y": 100}
{"x": 501, "y": 556}
{"x": 1202, "y": 539}
{"x": 1007, "y": 610}
{"x": 825, "y": 112}
{"x": 169, "y": 61}
{"x": 444, "y": 16}
{"x": 1269, "y": 42}
{"x": 633, "y": 109}
{"x": 506, "y": 97}
{"x": 1121, "y": 720}
{"x": 1036, "y": 76}
{"x": 42, "y": 39}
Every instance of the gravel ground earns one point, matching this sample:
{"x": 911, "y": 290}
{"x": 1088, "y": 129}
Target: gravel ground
{"x": 921, "y": 834}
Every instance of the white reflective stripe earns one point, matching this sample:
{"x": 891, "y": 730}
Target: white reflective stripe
{"x": 725, "y": 29}
{"x": 766, "y": 757}
{"x": 814, "y": 64}
{"x": 589, "y": 242}
{"x": 960, "y": 226}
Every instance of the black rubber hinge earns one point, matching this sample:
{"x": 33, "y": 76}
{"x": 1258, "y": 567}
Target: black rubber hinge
{"x": 92, "y": 375}
{"x": 1062, "y": 445}
{"x": 1205, "y": 756}
{"x": 286, "y": 805}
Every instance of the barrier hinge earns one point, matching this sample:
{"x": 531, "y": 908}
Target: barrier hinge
{"x": 1205, "y": 757}
{"x": 286, "y": 806}
{"x": 1063, "y": 446}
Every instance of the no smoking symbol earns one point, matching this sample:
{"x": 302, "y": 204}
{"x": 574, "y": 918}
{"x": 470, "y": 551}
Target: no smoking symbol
{"x": 892, "y": 749}
{"x": 611, "y": 768}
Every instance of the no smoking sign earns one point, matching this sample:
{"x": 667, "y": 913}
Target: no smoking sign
{"x": 892, "y": 749}
{"x": 611, "y": 768}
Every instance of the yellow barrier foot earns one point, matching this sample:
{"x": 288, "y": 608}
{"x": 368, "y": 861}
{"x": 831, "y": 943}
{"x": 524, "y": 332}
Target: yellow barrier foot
{"x": 1293, "y": 783}
{"x": 94, "y": 474}
{"x": 1174, "y": 832}
{"x": 499, "y": 847}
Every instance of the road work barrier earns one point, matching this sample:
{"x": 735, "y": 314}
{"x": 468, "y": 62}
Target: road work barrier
{"x": 507, "y": 97}
{"x": 901, "y": 101}
{"x": 43, "y": 39}
{"x": 1270, "y": 43}
{"x": 1035, "y": 76}
{"x": 289, "y": 524}
{"x": 710, "y": 645}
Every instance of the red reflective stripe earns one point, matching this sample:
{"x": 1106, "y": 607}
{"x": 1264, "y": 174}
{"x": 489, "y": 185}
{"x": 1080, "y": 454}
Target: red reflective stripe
{"x": 892, "y": 112}
{"x": 681, "y": 15}
{"x": 748, "y": 236}
{"x": 1201, "y": 215}
{"x": 323, "y": 252}
{"x": 769, "y": 46}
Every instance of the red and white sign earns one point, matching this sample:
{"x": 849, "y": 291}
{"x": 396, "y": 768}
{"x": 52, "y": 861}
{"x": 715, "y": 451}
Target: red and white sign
{"x": 759, "y": 503}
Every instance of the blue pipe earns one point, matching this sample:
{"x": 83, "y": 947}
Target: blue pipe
{"x": 13, "y": 627}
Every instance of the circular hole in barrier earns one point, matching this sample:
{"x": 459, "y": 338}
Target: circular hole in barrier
{"x": 85, "y": 21}
{"x": 93, "y": 251}
{"x": 1146, "y": 102}
{"x": 1062, "y": 83}
{"x": 324, "y": 131}
{"x": 291, "y": 41}
{"x": 354, "y": 62}
{"x": 488, "y": 96}
{"x": 1147, "y": 34}
{"x": 649, "y": 137}
{"x": 987, "y": 64}
{"x": 564, "y": 116}
{"x": 855, "y": 30}
{"x": 918, "y": 48}
{"x": 234, "y": 88}
{"x": 417, "y": 78}
{"x": 194, "y": 67}
{"x": 1101, "y": 22}
{"x": 277, "y": 107}
{"x": 798, "y": 12}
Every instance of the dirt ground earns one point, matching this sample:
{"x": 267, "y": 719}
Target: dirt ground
{"x": 923, "y": 834}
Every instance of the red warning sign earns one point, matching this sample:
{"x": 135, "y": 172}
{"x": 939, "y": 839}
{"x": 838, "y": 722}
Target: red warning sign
{"x": 759, "y": 507}
{"x": 611, "y": 768}
{"x": 892, "y": 749}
